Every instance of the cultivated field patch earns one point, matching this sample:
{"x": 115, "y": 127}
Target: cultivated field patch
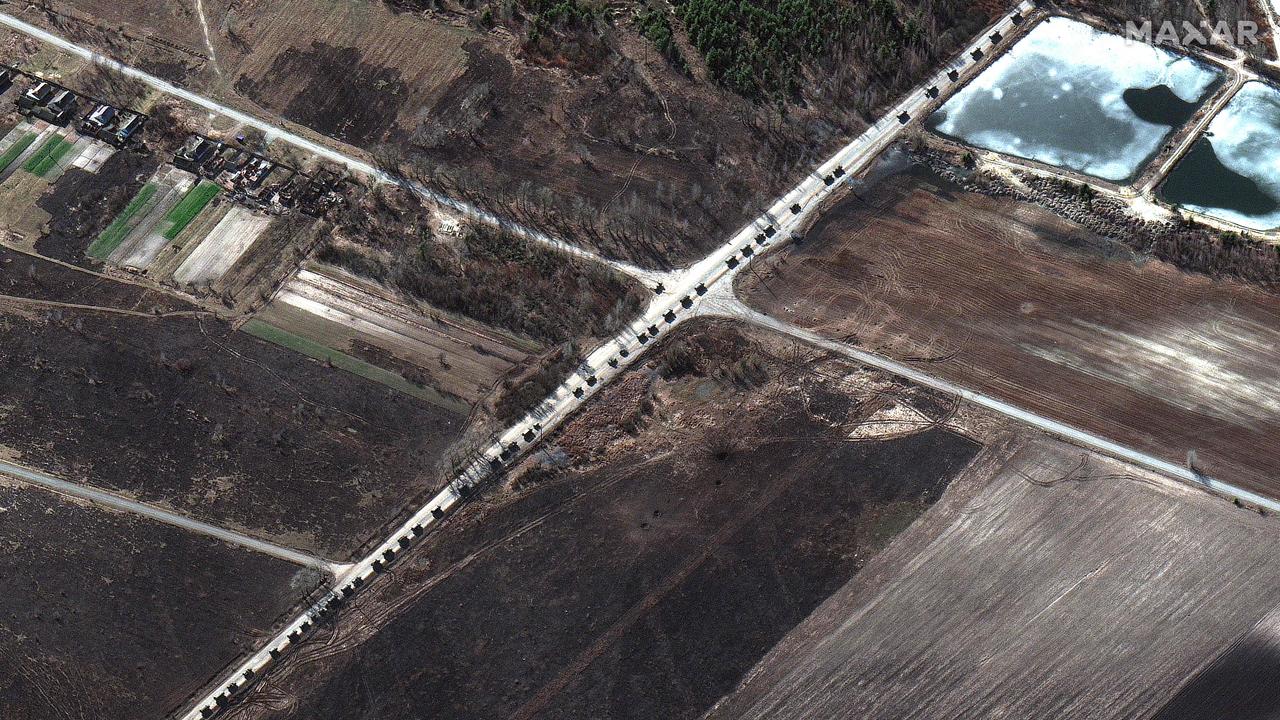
{"x": 142, "y": 236}
{"x": 1064, "y": 585}
{"x": 115, "y": 233}
{"x": 48, "y": 155}
{"x": 462, "y": 358}
{"x": 222, "y": 247}
{"x": 14, "y": 145}
{"x": 1011, "y": 300}
{"x": 188, "y": 207}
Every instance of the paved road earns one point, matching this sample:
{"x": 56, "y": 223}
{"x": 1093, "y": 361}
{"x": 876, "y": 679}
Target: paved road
{"x": 731, "y": 307}
{"x": 101, "y": 497}
{"x": 685, "y": 292}
{"x": 677, "y": 302}
{"x": 274, "y": 132}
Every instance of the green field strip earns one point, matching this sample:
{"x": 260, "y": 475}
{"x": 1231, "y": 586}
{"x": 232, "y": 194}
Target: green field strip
{"x": 47, "y": 156}
{"x": 189, "y": 206}
{"x": 16, "y": 149}
{"x": 353, "y": 365}
{"x": 116, "y": 232}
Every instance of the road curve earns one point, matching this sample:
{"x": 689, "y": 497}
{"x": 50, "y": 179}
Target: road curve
{"x": 111, "y": 500}
{"x": 315, "y": 148}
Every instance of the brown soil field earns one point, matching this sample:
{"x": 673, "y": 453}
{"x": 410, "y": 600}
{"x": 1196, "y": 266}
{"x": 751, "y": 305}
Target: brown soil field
{"x": 649, "y": 554}
{"x": 1012, "y": 301}
{"x": 184, "y": 413}
{"x": 1055, "y": 583}
{"x": 107, "y": 615}
{"x": 270, "y": 261}
{"x": 461, "y": 358}
{"x": 358, "y": 70}
{"x": 599, "y": 137}
{"x": 1243, "y": 682}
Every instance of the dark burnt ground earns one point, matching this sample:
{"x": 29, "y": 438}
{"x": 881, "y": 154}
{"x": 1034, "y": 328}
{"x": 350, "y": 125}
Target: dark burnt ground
{"x": 337, "y": 93}
{"x": 689, "y": 536}
{"x": 108, "y": 615}
{"x": 83, "y": 204}
{"x": 184, "y": 413}
{"x": 1242, "y": 684}
{"x": 26, "y": 276}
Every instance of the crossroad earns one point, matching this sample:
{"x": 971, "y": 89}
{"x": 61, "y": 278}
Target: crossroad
{"x": 704, "y": 288}
{"x": 678, "y": 300}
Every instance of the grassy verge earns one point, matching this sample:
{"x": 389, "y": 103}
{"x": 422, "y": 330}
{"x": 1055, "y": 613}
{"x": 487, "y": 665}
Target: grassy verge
{"x": 15, "y": 150}
{"x": 111, "y": 238}
{"x": 47, "y": 156}
{"x": 353, "y": 365}
{"x": 191, "y": 204}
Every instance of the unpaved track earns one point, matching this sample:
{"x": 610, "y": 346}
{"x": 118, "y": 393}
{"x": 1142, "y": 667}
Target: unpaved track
{"x": 679, "y": 302}
{"x": 315, "y": 148}
{"x": 106, "y": 499}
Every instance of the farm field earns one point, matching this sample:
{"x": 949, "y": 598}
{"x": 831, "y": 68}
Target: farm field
{"x": 274, "y": 255}
{"x": 1243, "y": 682}
{"x": 1060, "y": 584}
{"x": 649, "y": 554}
{"x": 141, "y": 236}
{"x": 110, "y": 239}
{"x": 109, "y": 615}
{"x": 193, "y": 417}
{"x": 15, "y": 147}
{"x": 20, "y": 144}
{"x": 462, "y": 358}
{"x": 222, "y": 247}
{"x": 1010, "y": 300}
{"x": 47, "y": 156}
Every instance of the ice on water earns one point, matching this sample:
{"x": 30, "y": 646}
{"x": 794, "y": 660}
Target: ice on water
{"x": 1056, "y": 97}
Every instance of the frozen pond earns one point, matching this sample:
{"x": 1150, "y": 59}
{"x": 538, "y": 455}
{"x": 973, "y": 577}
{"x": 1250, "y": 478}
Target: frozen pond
{"x": 1078, "y": 98}
{"x": 1233, "y": 172}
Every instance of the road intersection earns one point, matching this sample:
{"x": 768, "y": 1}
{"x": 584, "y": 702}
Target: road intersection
{"x": 702, "y": 289}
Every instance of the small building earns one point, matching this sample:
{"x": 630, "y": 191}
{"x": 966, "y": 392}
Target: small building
{"x": 6, "y": 78}
{"x": 195, "y": 152}
{"x": 37, "y": 94}
{"x": 102, "y": 116}
{"x": 128, "y": 124}
{"x": 58, "y": 110}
